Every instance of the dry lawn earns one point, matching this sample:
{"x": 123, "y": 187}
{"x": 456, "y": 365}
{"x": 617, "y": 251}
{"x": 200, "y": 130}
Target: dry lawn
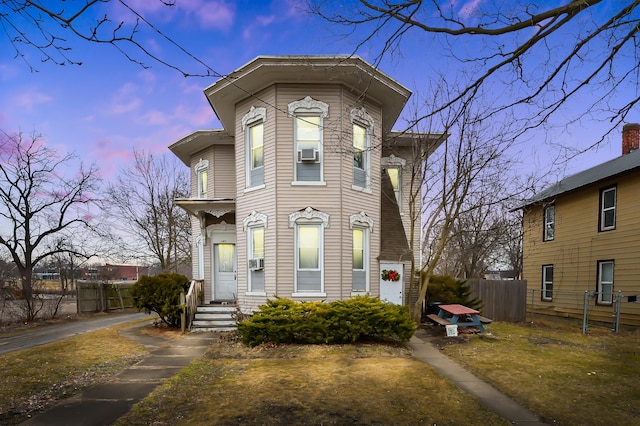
{"x": 308, "y": 385}
{"x": 36, "y": 378}
{"x": 555, "y": 371}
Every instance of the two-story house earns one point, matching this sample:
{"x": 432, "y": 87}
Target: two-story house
{"x": 583, "y": 235}
{"x": 302, "y": 194}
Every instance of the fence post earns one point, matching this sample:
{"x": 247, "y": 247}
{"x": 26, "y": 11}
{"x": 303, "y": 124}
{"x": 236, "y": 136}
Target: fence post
{"x": 616, "y": 318}
{"x": 585, "y": 313}
{"x": 533, "y": 295}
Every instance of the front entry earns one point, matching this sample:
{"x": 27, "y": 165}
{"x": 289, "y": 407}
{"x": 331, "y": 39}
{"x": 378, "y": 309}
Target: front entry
{"x": 225, "y": 286}
{"x": 391, "y": 282}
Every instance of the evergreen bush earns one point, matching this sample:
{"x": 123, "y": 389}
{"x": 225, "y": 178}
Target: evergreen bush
{"x": 448, "y": 290}
{"x": 343, "y": 321}
{"x": 161, "y": 294}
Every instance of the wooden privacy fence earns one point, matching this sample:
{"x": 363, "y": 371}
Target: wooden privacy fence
{"x": 102, "y": 297}
{"x": 504, "y": 300}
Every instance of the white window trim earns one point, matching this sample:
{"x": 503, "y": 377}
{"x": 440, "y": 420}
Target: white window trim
{"x": 253, "y": 117}
{"x": 603, "y": 210}
{"x": 399, "y": 163}
{"x": 363, "y": 222}
{"x": 599, "y": 300}
{"x": 309, "y": 107}
{"x": 361, "y": 117}
{"x": 309, "y": 216}
{"x": 545, "y": 281}
{"x": 544, "y": 213}
{"x": 201, "y": 166}
{"x": 252, "y": 221}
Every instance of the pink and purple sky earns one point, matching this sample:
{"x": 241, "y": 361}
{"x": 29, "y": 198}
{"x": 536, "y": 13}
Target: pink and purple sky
{"x": 104, "y": 108}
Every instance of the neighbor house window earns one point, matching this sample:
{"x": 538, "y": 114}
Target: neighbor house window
{"x": 255, "y": 225}
{"x": 549, "y": 223}
{"x": 362, "y": 128}
{"x": 608, "y": 209}
{"x": 361, "y": 226}
{"x": 202, "y": 169}
{"x": 547, "y": 282}
{"x": 253, "y": 125}
{"x": 309, "y": 227}
{"x": 308, "y": 115}
{"x": 605, "y": 283}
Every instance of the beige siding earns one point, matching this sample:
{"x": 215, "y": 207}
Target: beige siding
{"x": 261, "y": 200}
{"x": 578, "y": 246}
{"x": 224, "y": 172}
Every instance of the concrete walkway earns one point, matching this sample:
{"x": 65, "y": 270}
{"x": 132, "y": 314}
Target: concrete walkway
{"x": 488, "y": 396}
{"x": 104, "y": 403}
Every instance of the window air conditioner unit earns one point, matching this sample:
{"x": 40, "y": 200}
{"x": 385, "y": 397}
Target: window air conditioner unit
{"x": 256, "y": 264}
{"x": 308, "y": 154}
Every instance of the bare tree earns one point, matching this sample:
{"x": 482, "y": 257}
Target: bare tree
{"x": 536, "y": 56}
{"x": 50, "y": 27}
{"x": 41, "y": 209}
{"x": 142, "y": 199}
{"x": 476, "y": 242}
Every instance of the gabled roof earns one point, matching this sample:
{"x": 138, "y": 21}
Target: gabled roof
{"x": 623, "y": 164}
{"x": 353, "y": 72}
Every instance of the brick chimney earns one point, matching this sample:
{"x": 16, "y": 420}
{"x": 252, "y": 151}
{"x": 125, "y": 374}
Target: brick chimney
{"x": 630, "y": 137}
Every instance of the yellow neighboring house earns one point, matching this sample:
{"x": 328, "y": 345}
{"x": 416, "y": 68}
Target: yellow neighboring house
{"x": 582, "y": 235}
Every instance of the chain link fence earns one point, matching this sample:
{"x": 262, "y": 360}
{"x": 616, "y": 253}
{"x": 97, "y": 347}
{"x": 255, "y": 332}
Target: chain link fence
{"x": 589, "y": 308}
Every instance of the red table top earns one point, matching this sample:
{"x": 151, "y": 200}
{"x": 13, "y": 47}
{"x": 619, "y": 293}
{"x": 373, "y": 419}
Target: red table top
{"x": 456, "y": 309}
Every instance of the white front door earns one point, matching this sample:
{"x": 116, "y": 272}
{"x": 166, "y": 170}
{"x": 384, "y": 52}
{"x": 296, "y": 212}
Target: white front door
{"x": 224, "y": 266}
{"x": 391, "y": 285}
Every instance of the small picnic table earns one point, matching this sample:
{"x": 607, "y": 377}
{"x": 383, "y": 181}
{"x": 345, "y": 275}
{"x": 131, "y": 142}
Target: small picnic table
{"x": 452, "y": 314}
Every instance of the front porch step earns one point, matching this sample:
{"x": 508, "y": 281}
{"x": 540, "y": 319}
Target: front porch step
{"x": 215, "y": 318}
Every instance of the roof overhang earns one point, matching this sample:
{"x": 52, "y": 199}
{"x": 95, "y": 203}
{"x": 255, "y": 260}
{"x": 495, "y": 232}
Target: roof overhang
{"x": 198, "y": 141}
{"x": 428, "y": 141}
{"x": 354, "y": 73}
{"x": 214, "y": 206}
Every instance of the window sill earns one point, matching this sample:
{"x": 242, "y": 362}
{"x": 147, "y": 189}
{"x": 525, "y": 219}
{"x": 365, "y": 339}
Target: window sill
{"x": 361, "y": 189}
{"x": 254, "y": 188}
{"x": 308, "y": 183}
{"x": 256, "y": 293}
{"x": 309, "y": 294}
{"x": 359, "y": 293}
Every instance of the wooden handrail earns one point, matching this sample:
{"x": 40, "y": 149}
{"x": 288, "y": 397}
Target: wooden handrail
{"x": 195, "y": 296}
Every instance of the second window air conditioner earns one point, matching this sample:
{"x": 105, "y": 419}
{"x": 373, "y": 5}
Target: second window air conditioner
{"x": 308, "y": 154}
{"x": 256, "y": 264}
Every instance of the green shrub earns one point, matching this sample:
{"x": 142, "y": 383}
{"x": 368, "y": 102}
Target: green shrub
{"x": 343, "y": 321}
{"x": 445, "y": 289}
{"x": 161, "y": 294}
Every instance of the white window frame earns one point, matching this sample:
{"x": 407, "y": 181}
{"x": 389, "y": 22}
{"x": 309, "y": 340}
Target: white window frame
{"x": 549, "y": 223}
{"x": 311, "y": 217}
{"x": 362, "y": 222}
{"x": 360, "y": 117}
{"x": 308, "y": 107}
{"x": 600, "y": 300}
{"x": 393, "y": 162}
{"x": 546, "y": 283}
{"x": 255, "y": 116}
{"x": 254, "y": 221}
{"x": 202, "y": 171}
{"x": 603, "y": 209}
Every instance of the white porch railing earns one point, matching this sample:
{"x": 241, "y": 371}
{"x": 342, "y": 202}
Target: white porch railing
{"x": 194, "y": 297}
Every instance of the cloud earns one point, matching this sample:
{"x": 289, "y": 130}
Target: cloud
{"x": 125, "y": 100}
{"x": 28, "y": 99}
{"x": 207, "y": 13}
